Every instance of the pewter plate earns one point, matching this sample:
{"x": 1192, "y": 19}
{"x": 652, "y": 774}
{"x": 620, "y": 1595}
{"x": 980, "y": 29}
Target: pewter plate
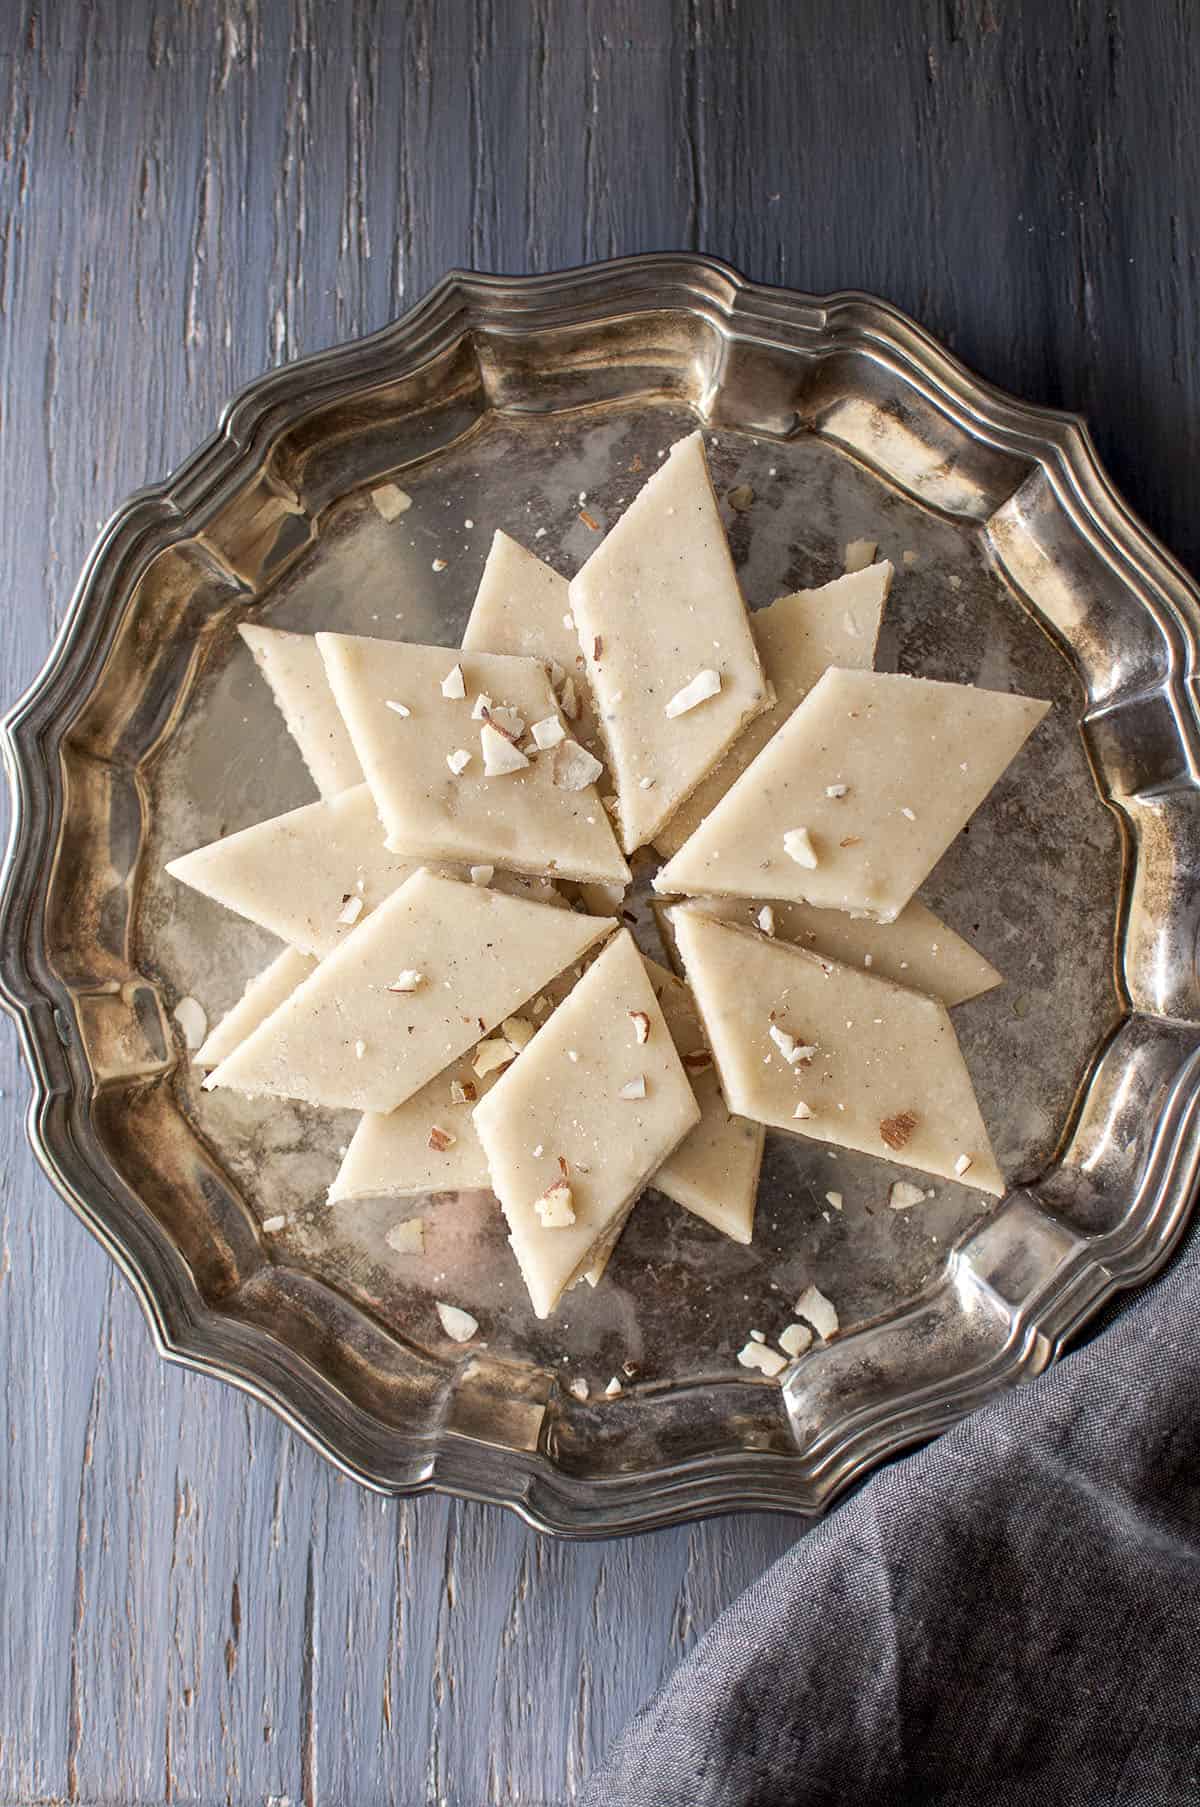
{"x": 497, "y": 402}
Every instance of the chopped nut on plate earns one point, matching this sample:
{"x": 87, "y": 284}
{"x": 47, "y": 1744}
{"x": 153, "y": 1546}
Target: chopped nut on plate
{"x": 390, "y": 501}
{"x": 408, "y": 1237}
{"x": 766, "y": 1361}
{"x": 902, "y": 1195}
{"x": 459, "y": 1325}
{"x": 795, "y": 1340}
{"x": 817, "y": 1310}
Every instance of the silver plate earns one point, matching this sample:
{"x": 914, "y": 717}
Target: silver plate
{"x": 498, "y": 401}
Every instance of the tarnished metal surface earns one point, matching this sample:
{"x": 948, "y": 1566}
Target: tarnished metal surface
{"x": 496, "y": 403}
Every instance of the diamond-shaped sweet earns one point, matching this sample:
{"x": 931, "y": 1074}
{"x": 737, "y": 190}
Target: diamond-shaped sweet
{"x": 657, "y": 607}
{"x": 295, "y": 671}
{"x": 429, "y": 972}
{"x": 798, "y": 637}
{"x": 829, "y": 1052}
{"x": 858, "y": 795}
{"x": 445, "y": 739}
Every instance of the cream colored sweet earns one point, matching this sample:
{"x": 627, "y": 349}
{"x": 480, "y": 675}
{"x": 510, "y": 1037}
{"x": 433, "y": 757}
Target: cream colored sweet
{"x": 295, "y": 672}
{"x": 714, "y": 1171}
{"x": 825, "y": 1051}
{"x": 438, "y": 965}
{"x": 264, "y": 994}
{"x": 428, "y": 1144}
{"x": 659, "y": 616}
{"x": 857, "y": 796}
{"x": 918, "y": 949}
{"x": 563, "y": 1113}
{"x": 798, "y": 637}
{"x": 308, "y": 876}
{"x": 458, "y": 776}
{"x": 522, "y": 607}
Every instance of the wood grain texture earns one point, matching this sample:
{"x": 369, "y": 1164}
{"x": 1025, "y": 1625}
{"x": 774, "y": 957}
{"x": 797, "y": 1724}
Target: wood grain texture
{"x": 195, "y": 1609}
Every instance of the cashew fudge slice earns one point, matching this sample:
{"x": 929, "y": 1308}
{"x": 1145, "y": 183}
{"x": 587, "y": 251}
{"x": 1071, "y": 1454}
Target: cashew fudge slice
{"x": 857, "y": 796}
{"x": 437, "y": 965}
{"x": 429, "y": 1143}
{"x": 450, "y": 745}
{"x": 918, "y": 949}
{"x": 829, "y": 1052}
{"x": 714, "y": 1171}
{"x": 265, "y": 993}
{"x": 666, "y": 643}
{"x": 522, "y": 607}
{"x": 295, "y": 671}
{"x": 798, "y": 637}
{"x": 581, "y": 1122}
{"x": 311, "y": 875}
{"x": 308, "y": 876}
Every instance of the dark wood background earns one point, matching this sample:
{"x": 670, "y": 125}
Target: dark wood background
{"x": 192, "y": 1607}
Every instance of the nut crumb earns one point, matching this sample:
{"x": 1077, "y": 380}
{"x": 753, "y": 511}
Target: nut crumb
{"x": 641, "y": 1026}
{"x": 766, "y": 920}
{"x": 835, "y": 1199}
{"x": 589, "y": 520}
{"x": 597, "y": 645}
{"x": 397, "y": 708}
{"x": 439, "y": 564}
{"x": 613, "y": 1388}
{"x": 463, "y": 1091}
{"x": 273, "y": 1225}
{"x": 795, "y": 1340}
{"x": 766, "y": 1361}
{"x": 574, "y": 767}
{"x": 797, "y": 844}
{"x": 440, "y": 1139}
{"x": 578, "y": 1388}
{"x": 352, "y": 908}
{"x": 817, "y": 1310}
{"x": 903, "y": 1196}
{"x": 851, "y": 840}
{"x": 481, "y": 707}
{"x": 910, "y": 813}
{"x": 458, "y": 761}
{"x": 454, "y": 684}
{"x": 634, "y": 1088}
{"x": 859, "y": 554}
{"x": 836, "y": 790}
{"x": 569, "y": 700}
{"x": 191, "y": 1017}
{"x": 491, "y": 1054}
{"x": 962, "y": 1165}
{"x": 802, "y": 1111}
{"x": 360, "y": 1048}
{"x": 556, "y": 1206}
{"x": 897, "y": 1131}
{"x": 482, "y": 875}
{"x": 705, "y": 684}
{"x": 459, "y": 1325}
{"x": 408, "y": 1237}
{"x": 517, "y": 1032}
{"x": 390, "y": 501}
{"x": 548, "y": 733}
{"x": 408, "y": 980}
{"x": 500, "y": 756}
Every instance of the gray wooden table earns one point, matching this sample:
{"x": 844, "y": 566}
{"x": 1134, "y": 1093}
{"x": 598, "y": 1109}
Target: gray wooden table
{"x": 192, "y": 1606}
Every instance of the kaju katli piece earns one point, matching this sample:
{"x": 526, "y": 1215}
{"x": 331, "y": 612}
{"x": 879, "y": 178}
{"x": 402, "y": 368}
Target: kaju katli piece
{"x": 857, "y": 796}
{"x": 829, "y": 1052}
